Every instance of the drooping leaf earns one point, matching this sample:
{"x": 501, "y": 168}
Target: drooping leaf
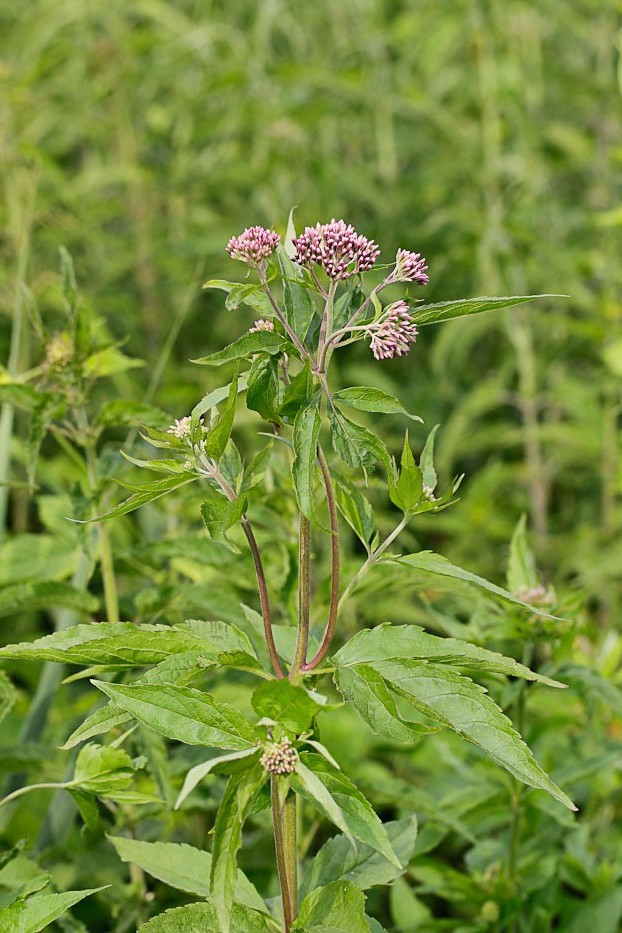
{"x": 183, "y": 867}
{"x": 386, "y": 642}
{"x": 149, "y": 493}
{"x": 184, "y": 714}
{"x": 290, "y": 705}
{"x": 356, "y": 445}
{"x": 306, "y": 431}
{"x": 245, "y": 347}
{"x": 366, "y": 398}
{"x": 356, "y": 815}
{"x": 356, "y": 509}
{"x": 337, "y": 908}
{"x": 364, "y": 867}
{"x": 38, "y": 912}
{"x": 448, "y": 310}
{"x": 429, "y": 562}
{"x": 238, "y": 797}
{"x": 362, "y": 686}
{"x": 203, "y": 918}
{"x": 455, "y": 701}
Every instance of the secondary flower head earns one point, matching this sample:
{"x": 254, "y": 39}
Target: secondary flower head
{"x": 254, "y": 245}
{"x": 279, "y": 757}
{"x": 181, "y": 428}
{"x": 261, "y": 324}
{"x": 393, "y": 333}
{"x": 410, "y": 267}
{"x": 337, "y": 247}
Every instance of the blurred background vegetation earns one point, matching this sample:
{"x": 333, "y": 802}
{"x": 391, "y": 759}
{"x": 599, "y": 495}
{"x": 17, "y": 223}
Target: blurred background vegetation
{"x": 485, "y": 134}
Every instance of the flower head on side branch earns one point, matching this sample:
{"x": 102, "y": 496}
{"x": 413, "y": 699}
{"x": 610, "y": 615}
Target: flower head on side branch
{"x": 255, "y": 246}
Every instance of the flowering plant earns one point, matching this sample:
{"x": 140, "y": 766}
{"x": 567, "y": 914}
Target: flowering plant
{"x": 402, "y": 681}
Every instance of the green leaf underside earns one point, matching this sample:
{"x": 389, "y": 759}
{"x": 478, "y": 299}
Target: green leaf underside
{"x": 410, "y": 642}
{"x": 408, "y": 488}
{"x": 337, "y": 908}
{"x": 306, "y": 431}
{"x": 183, "y": 867}
{"x": 245, "y": 347}
{"x": 342, "y": 803}
{"x": 184, "y": 714}
{"x": 362, "y": 686}
{"x": 203, "y": 918}
{"x": 448, "y": 310}
{"x": 456, "y": 702}
{"x": 371, "y": 399}
{"x": 102, "y": 769}
{"x": 338, "y": 861}
{"x": 199, "y": 772}
{"x": 356, "y": 445}
{"x": 429, "y": 562}
{"x": 38, "y": 912}
{"x": 238, "y": 797}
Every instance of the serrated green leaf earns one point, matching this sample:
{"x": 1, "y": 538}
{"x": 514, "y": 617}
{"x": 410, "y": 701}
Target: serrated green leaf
{"x": 362, "y": 686}
{"x": 155, "y": 490}
{"x": 203, "y": 918}
{"x": 238, "y": 797}
{"x": 245, "y": 347}
{"x": 184, "y": 714}
{"x": 299, "y": 304}
{"x": 364, "y": 867}
{"x": 45, "y": 595}
{"x": 182, "y": 867}
{"x": 262, "y": 394}
{"x": 355, "y": 814}
{"x": 356, "y": 445}
{"x": 339, "y": 907}
{"x": 455, "y": 701}
{"x": 429, "y": 562}
{"x": 298, "y": 393}
{"x": 290, "y": 705}
{"x": 356, "y": 509}
{"x": 306, "y": 431}
{"x": 219, "y": 514}
{"x": 212, "y": 399}
{"x": 387, "y": 642}
{"x": 366, "y": 398}
{"x": 102, "y": 769}
{"x": 220, "y": 431}
{"x": 221, "y": 636}
{"x": 38, "y": 912}
{"x": 448, "y": 310}
{"x": 406, "y": 492}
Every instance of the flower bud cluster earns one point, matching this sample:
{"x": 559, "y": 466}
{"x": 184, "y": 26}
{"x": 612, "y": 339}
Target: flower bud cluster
{"x": 393, "y": 334}
{"x": 337, "y": 248}
{"x": 181, "y": 428}
{"x": 536, "y": 596}
{"x": 279, "y": 757}
{"x": 59, "y": 351}
{"x": 254, "y": 245}
{"x": 410, "y": 267}
{"x": 260, "y": 325}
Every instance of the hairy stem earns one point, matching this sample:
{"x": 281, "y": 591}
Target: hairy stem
{"x": 282, "y": 857}
{"x": 304, "y": 595}
{"x": 333, "y": 611}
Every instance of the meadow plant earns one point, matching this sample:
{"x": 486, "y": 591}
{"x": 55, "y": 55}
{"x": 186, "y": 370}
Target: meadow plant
{"x": 403, "y": 682}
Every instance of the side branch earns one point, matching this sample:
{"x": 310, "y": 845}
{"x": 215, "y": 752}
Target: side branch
{"x": 334, "y": 549}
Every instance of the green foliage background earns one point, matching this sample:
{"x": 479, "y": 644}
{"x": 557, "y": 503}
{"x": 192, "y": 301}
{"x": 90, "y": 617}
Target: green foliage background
{"x": 486, "y": 135}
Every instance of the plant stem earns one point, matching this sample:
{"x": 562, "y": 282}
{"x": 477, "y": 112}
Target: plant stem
{"x": 290, "y": 834}
{"x": 282, "y": 860}
{"x": 290, "y": 333}
{"x": 519, "y": 723}
{"x": 333, "y": 612}
{"x": 304, "y": 595}
{"x": 106, "y": 561}
{"x": 371, "y": 560}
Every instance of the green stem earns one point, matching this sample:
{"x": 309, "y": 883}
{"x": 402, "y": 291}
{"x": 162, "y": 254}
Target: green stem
{"x": 371, "y": 560}
{"x": 333, "y": 611}
{"x": 111, "y": 599}
{"x": 51, "y": 785}
{"x": 519, "y": 722}
{"x": 290, "y": 333}
{"x": 282, "y": 859}
{"x": 304, "y": 595}
{"x": 290, "y": 834}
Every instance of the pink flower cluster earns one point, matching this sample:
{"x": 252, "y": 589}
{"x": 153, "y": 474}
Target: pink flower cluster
{"x": 261, "y": 324}
{"x": 279, "y": 757}
{"x": 393, "y": 333}
{"x": 337, "y": 248}
{"x": 410, "y": 267}
{"x": 254, "y": 245}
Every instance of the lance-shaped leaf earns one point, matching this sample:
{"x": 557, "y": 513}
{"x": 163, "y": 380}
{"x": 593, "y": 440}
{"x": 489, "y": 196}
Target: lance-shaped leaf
{"x": 234, "y": 807}
{"x": 463, "y": 706}
{"x": 202, "y": 917}
{"x": 355, "y": 814}
{"x": 407, "y": 490}
{"x": 184, "y": 714}
{"x": 263, "y": 341}
{"x": 306, "y": 431}
{"x": 364, "y": 867}
{"x": 387, "y": 642}
{"x": 262, "y": 394}
{"x": 286, "y": 703}
{"x": 211, "y": 400}
{"x": 356, "y": 445}
{"x": 366, "y": 398}
{"x": 522, "y": 574}
{"x": 220, "y": 430}
{"x": 220, "y": 763}
{"x": 426, "y": 461}
{"x": 429, "y": 562}
{"x": 149, "y": 492}
{"x": 337, "y": 908}
{"x": 38, "y": 912}
{"x": 356, "y": 510}
{"x": 448, "y": 310}
{"x": 362, "y": 686}
{"x": 183, "y": 867}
